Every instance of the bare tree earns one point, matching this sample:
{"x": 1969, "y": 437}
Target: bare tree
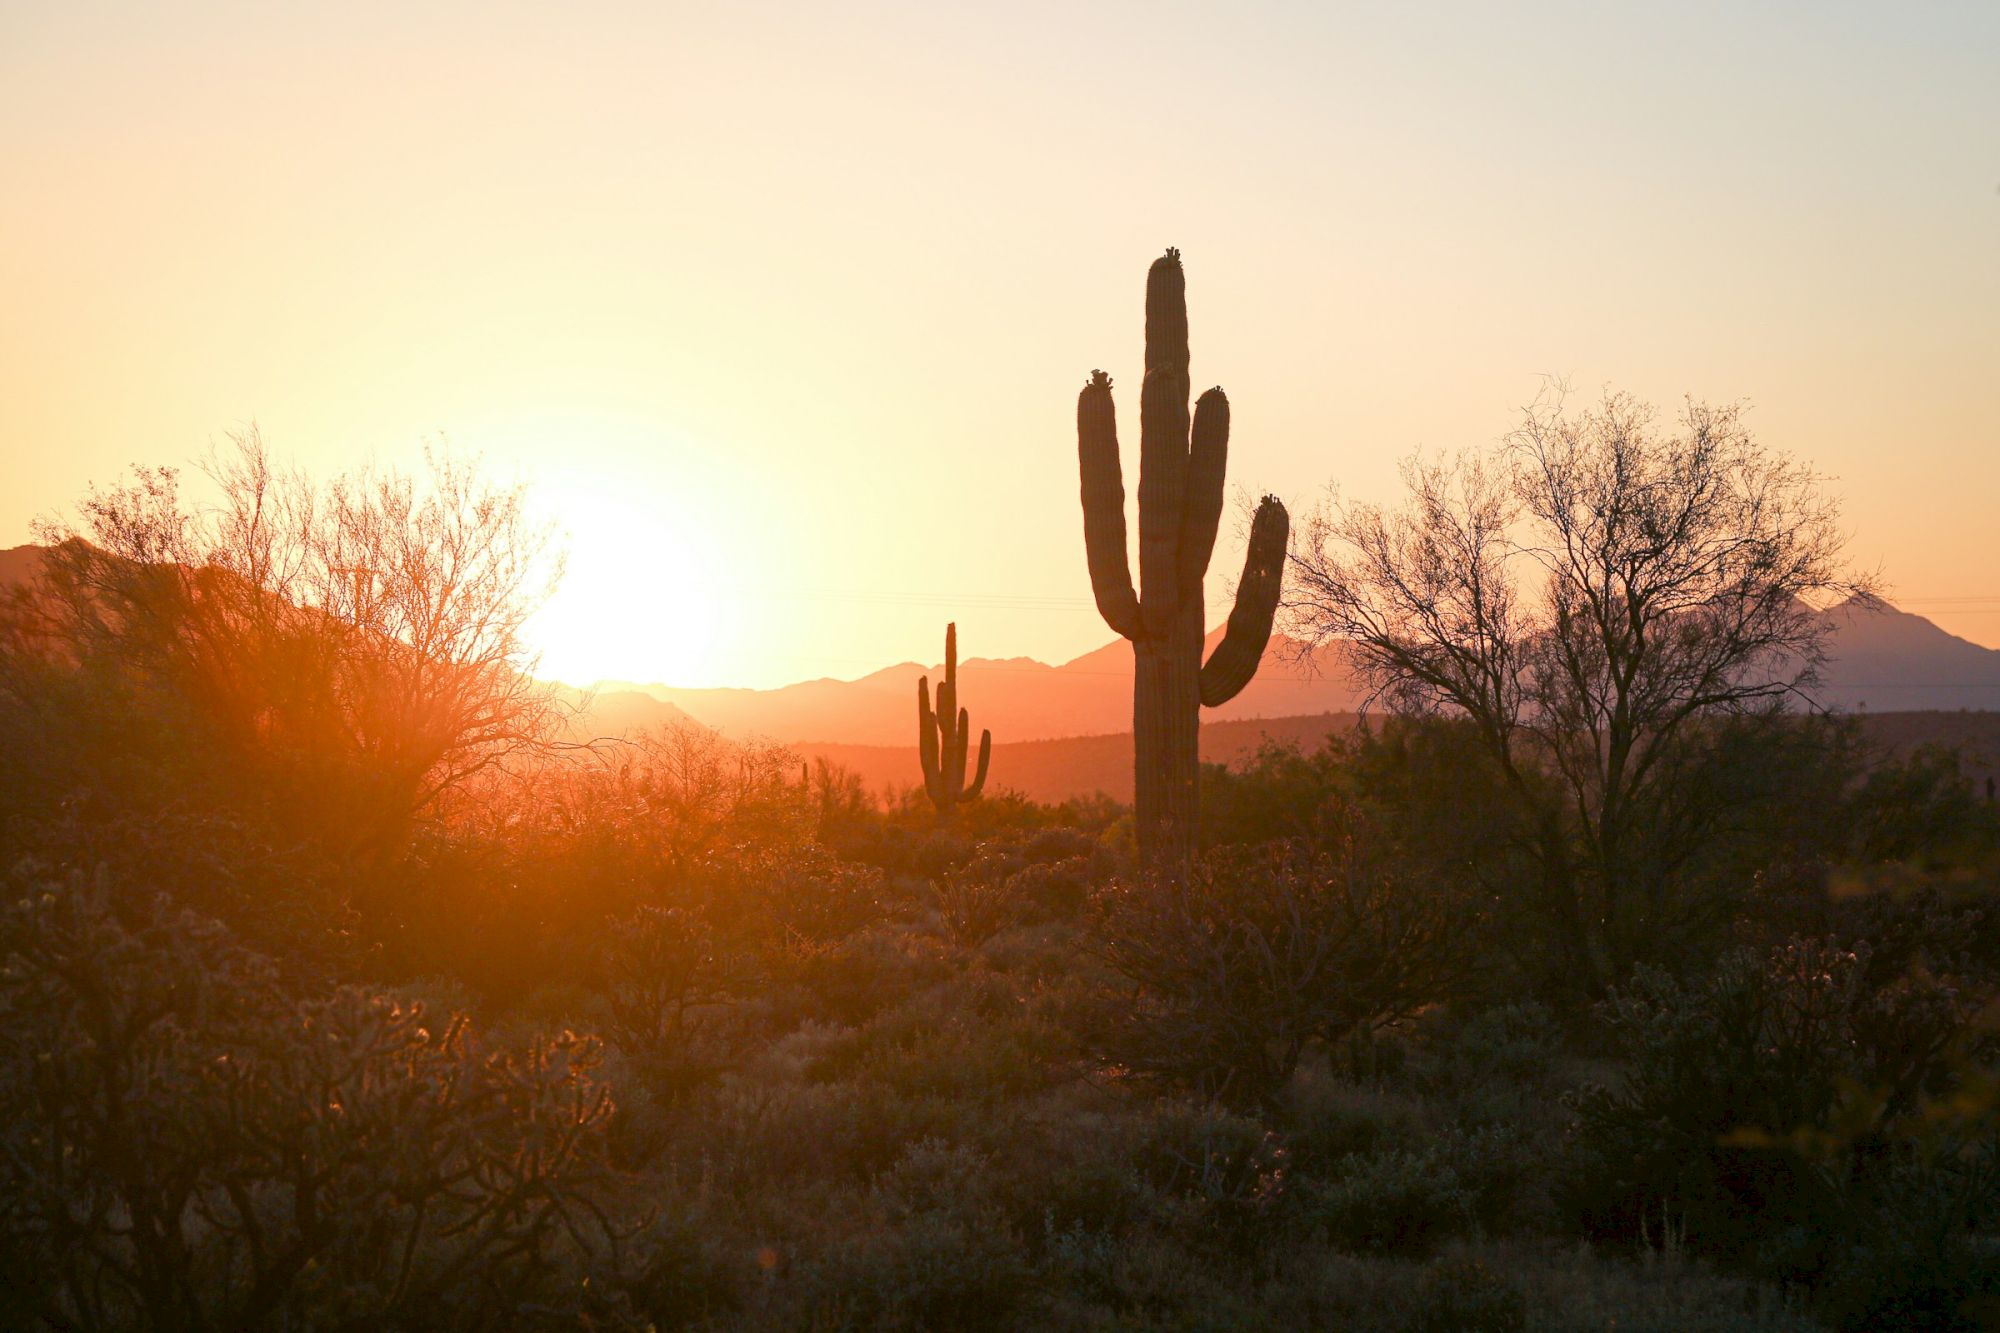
{"x": 1586, "y": 594}
{"x": 357, "y": 643}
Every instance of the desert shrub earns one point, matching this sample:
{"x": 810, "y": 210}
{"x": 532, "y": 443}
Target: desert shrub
{"x": 1922, "y": 927}
{"x": 1228, "y": 1175}
{"x": 1464, "y": 1294}
{"x": 1327, "y": 1118}
{"x": 684, "y": 1273}
{"x": 1458, "y": 1292}
{"x": 976, "y": 902}
{"x": 1061, "y": 888}
{"x": 1240, "y": 963}
{"x": 850, "y": 980}
{"x": 1919, "y": 805}
{"x": 188, "y": 1145}
{"x": 769, "y": 1133}
{"x": 1280, "y": 792}
{"x": 1582, "y": 1290}
{"x": 1403, "y": 1201}
{"x": 932, "y": 1249}
{"x": 934, "y": 1270}
{"x": 1506, "y": 1168}
{"x": 666, "y": 983}
{"x": 284, "y": 898}
{"x": 964, "y": 1038}
{"x": 1516, "y": 1044}
{"x": 1785, "y": 1111}
{"x": 1494, "y": 1081}
{"x": 795, "y": 893}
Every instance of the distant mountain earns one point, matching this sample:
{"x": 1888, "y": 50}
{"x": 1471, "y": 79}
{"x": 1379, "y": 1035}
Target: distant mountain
{"x": 1018, "y": 698}
{"x": 20, "y": 564}
{"x": 1884, "y": 660}
{"x": 611, "y": 714}
{"x": 1881, "y": 660}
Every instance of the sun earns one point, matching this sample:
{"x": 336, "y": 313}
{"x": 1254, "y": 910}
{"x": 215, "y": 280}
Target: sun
{"x": 639, "y": 599}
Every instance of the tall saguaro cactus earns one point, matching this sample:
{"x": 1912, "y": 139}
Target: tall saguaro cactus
{"x": 942, "y": 737}
{"x": 1181, "y": 464}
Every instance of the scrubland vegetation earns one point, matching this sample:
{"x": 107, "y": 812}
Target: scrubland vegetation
{"x": 341, "y": 987}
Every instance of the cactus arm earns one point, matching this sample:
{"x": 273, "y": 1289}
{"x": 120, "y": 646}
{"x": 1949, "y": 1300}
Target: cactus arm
{"x": 1208, "y": 460}
{"x": 1104, "y": 506}
{"x": 985, "y": 753}
{"x": 1234, "y": 661}
{"x": 1163, "y": 443}
{"x": 927, "y": 738}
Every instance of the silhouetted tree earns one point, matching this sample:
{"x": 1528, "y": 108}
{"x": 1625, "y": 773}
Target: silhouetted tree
{"x": 1587, "y": 595}
{"x": 352, "y": 648}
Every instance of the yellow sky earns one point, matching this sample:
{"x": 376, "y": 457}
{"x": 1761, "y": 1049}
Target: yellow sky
{"x": 782, "y": 311}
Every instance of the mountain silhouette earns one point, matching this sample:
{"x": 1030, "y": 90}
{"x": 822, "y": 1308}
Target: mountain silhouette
{"x": 1880, "y": 660}
{"x": 1019, "y": 698}
{"x": 1884, "y": 660}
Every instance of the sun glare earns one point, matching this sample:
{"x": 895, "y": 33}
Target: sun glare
{"x": 638, "y": 599}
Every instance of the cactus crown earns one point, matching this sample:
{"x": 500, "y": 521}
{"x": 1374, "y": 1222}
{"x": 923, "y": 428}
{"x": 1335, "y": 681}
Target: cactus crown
{"x": 1099, "y": 380}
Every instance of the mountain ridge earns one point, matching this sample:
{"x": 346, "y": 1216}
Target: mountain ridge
{"x": 1881, "y": 659}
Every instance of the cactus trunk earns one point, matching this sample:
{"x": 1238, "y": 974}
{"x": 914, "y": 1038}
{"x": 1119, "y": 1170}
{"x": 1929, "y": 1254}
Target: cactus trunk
{"x": 1182, "y": 462}
{"x": 1166, "y": 722}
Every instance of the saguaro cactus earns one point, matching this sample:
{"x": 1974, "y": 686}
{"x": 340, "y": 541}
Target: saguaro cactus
{"x": 942, "y": 737}
{"x": 1181, "y": 464}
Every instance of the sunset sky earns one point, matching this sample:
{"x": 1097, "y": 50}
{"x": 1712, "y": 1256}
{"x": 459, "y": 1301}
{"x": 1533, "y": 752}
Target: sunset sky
{"x": 781, "y": 311}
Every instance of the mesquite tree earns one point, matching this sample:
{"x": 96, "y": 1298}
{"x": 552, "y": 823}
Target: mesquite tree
{"x": 1181, "y": 465}
{"x": 1594, "y": 597}
{"x": 942, "y": 737}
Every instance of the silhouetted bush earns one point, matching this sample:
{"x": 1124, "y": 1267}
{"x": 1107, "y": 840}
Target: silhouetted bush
{"x": 1243, "y": 961}
{"x": 1402, "y": 1201}
{"x": 1228, "y": 1172}
{"x": 666, "y": 983}
{"x": 1780, "y": 1111}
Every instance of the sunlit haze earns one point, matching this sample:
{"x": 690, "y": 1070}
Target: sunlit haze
{"x": 781, "y": 312}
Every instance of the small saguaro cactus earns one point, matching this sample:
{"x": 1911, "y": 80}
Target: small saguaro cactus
{"x": 1181, "y": 464}
{"x": 942, "y": 738}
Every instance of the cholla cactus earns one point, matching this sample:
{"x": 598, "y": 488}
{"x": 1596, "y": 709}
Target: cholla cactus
{"x": 1181, "y": 464}
{"x": 942, "y": 738}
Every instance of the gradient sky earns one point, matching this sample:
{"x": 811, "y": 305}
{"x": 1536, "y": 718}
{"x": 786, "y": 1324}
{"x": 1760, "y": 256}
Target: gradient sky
{"x": 782, "y": 311}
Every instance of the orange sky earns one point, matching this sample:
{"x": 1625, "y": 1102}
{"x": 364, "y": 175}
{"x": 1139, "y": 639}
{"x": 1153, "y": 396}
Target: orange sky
{"x": 782, "y": 311}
